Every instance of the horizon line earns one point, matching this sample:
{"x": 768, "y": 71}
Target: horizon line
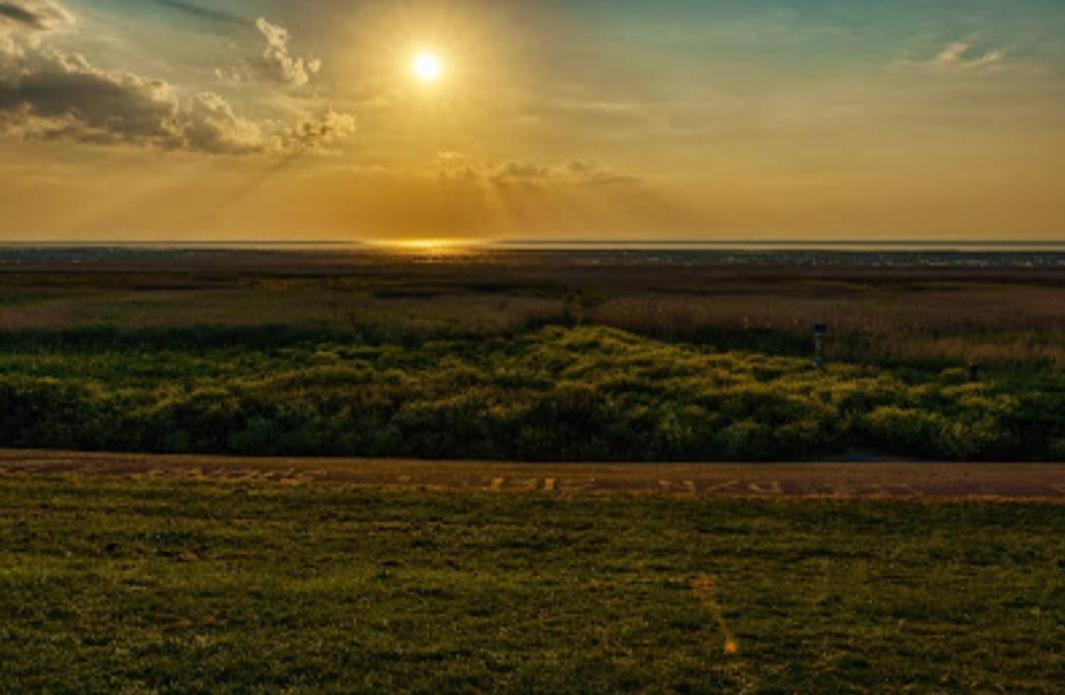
{"x": 543, "y": 242}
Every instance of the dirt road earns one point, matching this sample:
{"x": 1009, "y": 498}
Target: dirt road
{"x": 973, "y": 481}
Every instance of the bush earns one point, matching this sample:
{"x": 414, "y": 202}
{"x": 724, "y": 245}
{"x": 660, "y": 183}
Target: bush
{"x": 583, "y": 393}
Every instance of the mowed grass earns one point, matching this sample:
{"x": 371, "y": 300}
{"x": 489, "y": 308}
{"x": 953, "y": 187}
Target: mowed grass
{"x": 112, "y": 585}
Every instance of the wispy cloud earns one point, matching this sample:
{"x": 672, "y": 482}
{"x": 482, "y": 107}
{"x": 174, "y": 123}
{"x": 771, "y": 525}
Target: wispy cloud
{"x": 206, "y": 13}
{"x": 962, "y": 56}
{"x": 455, "y": 166}
{"x": 34, "y": 15}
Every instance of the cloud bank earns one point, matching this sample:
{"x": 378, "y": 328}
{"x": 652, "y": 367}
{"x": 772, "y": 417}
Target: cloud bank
{"x": 455, "y": 166}
{"x": 46, "y": 94}
{"x": 49, "y": 95}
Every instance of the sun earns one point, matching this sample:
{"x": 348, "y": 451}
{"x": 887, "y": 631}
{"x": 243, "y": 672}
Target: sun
{"x": 427, "y": 66}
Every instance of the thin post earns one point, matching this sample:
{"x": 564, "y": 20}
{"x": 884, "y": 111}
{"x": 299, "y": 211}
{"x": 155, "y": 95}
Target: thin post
{"x": 820, "y": 331}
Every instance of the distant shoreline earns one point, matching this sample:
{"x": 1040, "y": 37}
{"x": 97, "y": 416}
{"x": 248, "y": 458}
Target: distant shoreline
{"x": 733, "y": 245}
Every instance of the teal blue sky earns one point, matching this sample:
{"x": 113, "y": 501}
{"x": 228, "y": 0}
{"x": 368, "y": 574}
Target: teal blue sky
{"x": 677, "y": 118}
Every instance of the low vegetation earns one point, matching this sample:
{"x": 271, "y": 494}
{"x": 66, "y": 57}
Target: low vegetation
{"x": 123, "y": 586}
{"x": 549, "y": 393}
{"x": 534, "y": 356}
{"x": 911, "y": 316}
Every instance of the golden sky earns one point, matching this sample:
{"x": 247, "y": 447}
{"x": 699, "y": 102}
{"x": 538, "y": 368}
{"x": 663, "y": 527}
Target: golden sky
{"x": 586, "y": 119}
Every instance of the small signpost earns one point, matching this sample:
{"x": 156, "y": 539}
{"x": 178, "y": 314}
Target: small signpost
{"x": 820, "y": 331}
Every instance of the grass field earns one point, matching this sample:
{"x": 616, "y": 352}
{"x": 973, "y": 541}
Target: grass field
{"x": 181, "y": 575}
{"x": 886, "y": 316}
{"x": 112, "y": 585}
{"x": 530, "y": 357}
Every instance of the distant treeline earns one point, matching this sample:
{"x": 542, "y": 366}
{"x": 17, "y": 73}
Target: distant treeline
{"x": 549, "y": 393}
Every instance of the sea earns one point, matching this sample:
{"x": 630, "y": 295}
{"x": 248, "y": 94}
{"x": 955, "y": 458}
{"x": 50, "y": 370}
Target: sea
{"x": 760, "y": 253}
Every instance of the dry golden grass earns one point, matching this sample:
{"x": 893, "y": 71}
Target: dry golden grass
{"x": 918, "y": 315}
{"x": 983, "y": 324}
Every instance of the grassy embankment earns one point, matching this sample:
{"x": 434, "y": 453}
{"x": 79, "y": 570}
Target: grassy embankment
{"x": 127, "y": 586}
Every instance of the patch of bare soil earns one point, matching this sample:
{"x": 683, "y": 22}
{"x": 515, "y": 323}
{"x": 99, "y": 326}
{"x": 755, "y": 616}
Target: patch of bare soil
{"x": 1043, "y": 482}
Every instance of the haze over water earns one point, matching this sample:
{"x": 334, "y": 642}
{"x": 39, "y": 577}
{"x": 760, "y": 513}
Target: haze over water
{"x": 189, "y": 254}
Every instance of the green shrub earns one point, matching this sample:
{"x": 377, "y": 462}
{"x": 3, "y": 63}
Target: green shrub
{"x": 553, "y": 393}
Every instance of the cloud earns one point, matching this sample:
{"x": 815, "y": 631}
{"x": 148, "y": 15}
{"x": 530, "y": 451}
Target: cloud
{"x": 285, "y": 66}
{"x": 454, "y": 166}
{"x": 47, "y": 94}
{"x": 584, "y": 173}
{"x": 34, "y": 15}
{"x": 50, "y": 95}
{"x": 960, "y": 56}
{"x": 316, "y": 133}
{"x": 203, "y": 12}
{"x": 211, "y": 125}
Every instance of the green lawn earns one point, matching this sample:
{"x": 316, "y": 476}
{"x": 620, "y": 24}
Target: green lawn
{"x": 110, "y": 585}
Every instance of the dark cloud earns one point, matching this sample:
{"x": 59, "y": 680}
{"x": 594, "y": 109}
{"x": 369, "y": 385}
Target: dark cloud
{"x": 34, "y": 15}
{"x": 314, "y": 133}
{"x": 48, "y": 95}
{"x": 54, "y": 96}
{"x": 206, "y": 13}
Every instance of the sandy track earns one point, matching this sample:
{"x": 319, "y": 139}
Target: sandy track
{"x": 972, "y": 481}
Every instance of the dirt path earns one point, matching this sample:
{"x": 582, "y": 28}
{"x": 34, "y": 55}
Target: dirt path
{"x": 991, "y": 481}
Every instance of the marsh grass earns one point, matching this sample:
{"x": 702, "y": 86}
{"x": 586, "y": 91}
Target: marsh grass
{"x": 532, "y": 362}
{"x": 937, "y": 327}
{"x": 902, "y": 319}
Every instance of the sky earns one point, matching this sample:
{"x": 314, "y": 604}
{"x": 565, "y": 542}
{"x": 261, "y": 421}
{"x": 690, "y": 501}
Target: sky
{"x": 227, "y": 120}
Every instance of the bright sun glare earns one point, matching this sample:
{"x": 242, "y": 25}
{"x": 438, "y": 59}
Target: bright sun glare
{"x": 426, "y": 66}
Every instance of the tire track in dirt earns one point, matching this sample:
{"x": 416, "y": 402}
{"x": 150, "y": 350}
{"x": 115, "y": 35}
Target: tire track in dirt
{"x": 839, "y": 481}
